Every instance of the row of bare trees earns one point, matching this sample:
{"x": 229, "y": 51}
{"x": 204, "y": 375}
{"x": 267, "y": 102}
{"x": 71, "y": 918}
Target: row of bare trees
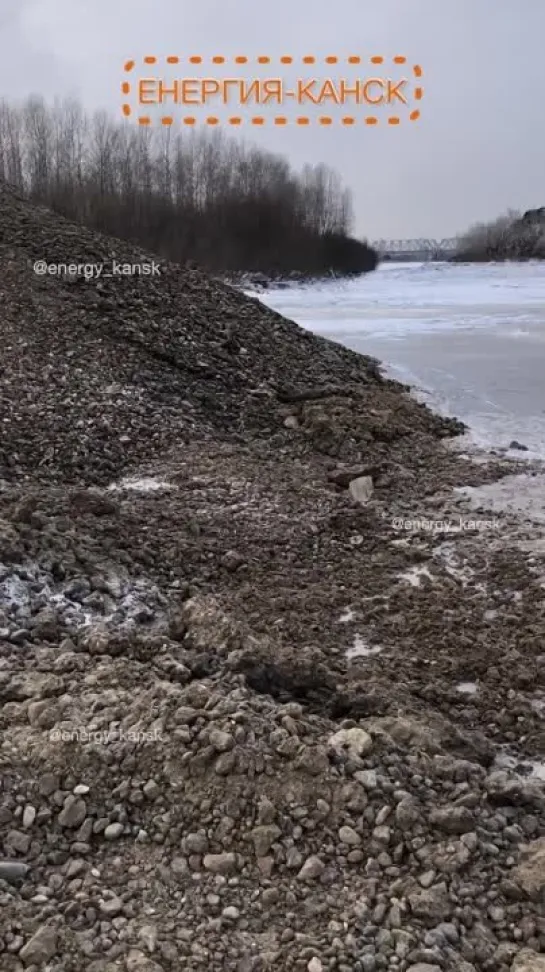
{"x": 196, "y": 195}
{"x": 510, "y": 237}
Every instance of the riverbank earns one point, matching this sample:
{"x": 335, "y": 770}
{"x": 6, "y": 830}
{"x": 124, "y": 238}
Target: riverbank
{"x": 238, "y": 626}
{"x": 467, "y": 339}
{"x": 511, "y": 237}
{"x": 262, "y": 282}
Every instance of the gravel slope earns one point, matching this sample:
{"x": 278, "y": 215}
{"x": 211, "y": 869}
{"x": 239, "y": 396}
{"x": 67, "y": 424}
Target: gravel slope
{"x": 251, "y": 717}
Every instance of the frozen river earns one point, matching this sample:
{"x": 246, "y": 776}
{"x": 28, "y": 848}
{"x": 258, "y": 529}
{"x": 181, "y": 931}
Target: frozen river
{"x": 469, "y": 338}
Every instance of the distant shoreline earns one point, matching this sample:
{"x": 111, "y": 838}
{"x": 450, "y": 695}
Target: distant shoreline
{"x": 264, "y": 281}
{"x": 511, "y": 237}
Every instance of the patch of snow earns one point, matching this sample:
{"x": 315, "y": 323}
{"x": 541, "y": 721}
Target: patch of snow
{"x": 14, "y": 592}
{"x": 538, "y": 705}
{"x": 521, "y": 766}
{"x": 517, "y": 494}
{"x": 467, "y": 688}
{"x": 538, "y": 769}
{"x": 347, "y": 615}
{"x": 454, "y": 565}
{"x": 27, "y": 588}
{"x": 145, "y": 484}
{"x": 356, "y": 540}
{"x": 414, "y": 575}
{"x": 360, "y": 649}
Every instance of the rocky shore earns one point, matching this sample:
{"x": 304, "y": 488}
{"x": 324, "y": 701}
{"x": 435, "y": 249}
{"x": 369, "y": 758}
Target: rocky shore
{"x": 262, "y": 705}
{"x": 259, "y": 282}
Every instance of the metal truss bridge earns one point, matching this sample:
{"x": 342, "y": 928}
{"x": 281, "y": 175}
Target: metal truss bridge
{"x": 416, "y": 249}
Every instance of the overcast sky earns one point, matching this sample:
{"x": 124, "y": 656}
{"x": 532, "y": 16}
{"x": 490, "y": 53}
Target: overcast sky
{"x": 478, "y": 149}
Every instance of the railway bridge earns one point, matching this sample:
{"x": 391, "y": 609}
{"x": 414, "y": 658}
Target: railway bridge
{"x": 421, "y": 249}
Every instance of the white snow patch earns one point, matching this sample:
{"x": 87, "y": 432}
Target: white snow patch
{"x": 347, "y": 615}
{"x": 538, "y": 705}
{"x": 521, "y": 494}
{"x": 522, "y": 766}
{"x": 467, "y": 688}
{"x": 454, "y": 564}
{"x": 360, "y": 649}
{"x": 14, "y": 592}
{"x": 145, "y": 484}
{"x": 538, "y": 769}
{"x": 27, "y": 588}
{"x": 414, "y": 575}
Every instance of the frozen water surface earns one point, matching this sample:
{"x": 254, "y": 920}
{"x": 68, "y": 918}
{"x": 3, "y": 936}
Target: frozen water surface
{"x": 469, "y": 338}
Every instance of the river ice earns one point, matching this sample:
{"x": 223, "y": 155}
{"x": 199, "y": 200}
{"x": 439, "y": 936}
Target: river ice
{"x": 470, "y": 339}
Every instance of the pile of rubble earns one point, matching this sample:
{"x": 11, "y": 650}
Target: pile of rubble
{"x": 158, "y": 818}
{"x": 232, "y": 735}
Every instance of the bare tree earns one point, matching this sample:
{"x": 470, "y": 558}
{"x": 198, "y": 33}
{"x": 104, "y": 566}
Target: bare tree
{"x": 196, "y": 195}
{"x": 510, "y": 237}
{"x": 39, "y": 144}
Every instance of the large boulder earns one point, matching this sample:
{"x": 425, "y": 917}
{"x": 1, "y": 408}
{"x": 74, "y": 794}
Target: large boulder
{"x": 529, "y": 873}
{"x": 528, "y": 961}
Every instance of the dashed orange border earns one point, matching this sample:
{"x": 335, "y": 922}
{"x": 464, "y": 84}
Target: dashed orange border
{"x": 279, "y": 120}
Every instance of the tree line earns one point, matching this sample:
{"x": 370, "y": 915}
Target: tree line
{"x": 510, "y": 237}
{"x": 197, "y": 195}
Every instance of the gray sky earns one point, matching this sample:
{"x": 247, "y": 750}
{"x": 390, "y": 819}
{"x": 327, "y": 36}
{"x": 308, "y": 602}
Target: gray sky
{"x": 478, "y": 150}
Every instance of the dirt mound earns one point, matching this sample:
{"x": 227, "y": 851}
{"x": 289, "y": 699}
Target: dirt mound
{"x": 104, "y": 372}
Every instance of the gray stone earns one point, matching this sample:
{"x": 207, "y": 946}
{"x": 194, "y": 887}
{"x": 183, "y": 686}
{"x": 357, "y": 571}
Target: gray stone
{"x": 231, "y": 913}
{"x": 529, "y": 874}
{"x": 195, "y": 843}
{"x": 431, "y": 903}
{"x": 424, "y": 967}
{"x": 354, "y": 742}
{"x": 13, "y": 871}
{"x": 453, "y": 820}
{"x": 264, "y": 837}
{"x": 41, "y": 947}
{"x": 528, "y": 961}
{"x": 113, "y": 831}
{"x": 29, "y": 816}
{"x": 408, "y": 813}
{"x": 311, "y": 869}
{"x": 152, "y": 790}
{"x": 220, "y": 863}
{"x": 315, "y": 965}
{"x": 111, "y": 906}
{"x": 221, "y": 741}
{"x": 361, "y": 489}
{"x": 17, "y": 841}
{"x": 73, "y": 812}
{"x": 137, "y": 961}
{"x": 349, "y": 836}
{"x": 367, "y": 778}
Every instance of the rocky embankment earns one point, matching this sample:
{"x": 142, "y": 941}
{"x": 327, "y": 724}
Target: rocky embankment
{"x": 253, "y": 715}
{"x": 259, "y": 282}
